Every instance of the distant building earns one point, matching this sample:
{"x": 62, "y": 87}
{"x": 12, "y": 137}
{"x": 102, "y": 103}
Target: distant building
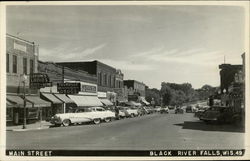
{"x": 136, "y": 91}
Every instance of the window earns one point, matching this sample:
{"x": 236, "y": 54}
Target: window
{"x": 99, "y": 78}
{"x": 31, "y": 66}
{"x": 105, "y": 79}
{"x": 14, "y": 68}
{"x": 110, "y": 79}
{"x": 114, "y": 82}
{"x": 24, "y": 65}
{"x": 8, "y": 63}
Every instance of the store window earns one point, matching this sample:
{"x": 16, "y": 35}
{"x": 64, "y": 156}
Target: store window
{"x": 31, "y": 66}
{"x": 8, "y": 63}
{"x": 24, "y": 65}
{"x": 14, "y": 68}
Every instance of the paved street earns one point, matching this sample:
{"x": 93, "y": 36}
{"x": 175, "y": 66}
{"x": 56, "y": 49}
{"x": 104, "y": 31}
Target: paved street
{"x": 156, "y": 131}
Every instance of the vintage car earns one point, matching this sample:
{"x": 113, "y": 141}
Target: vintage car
{"x": 164, "y": 110}
{"x": 158, "y": 108}
{"x": 142, "y": 111}
{"x": 215, "y": 114}
{"x": 129, "y": 111}
{"x": 179, "y": 110}
{"x": 90, "y": 114}
{"x": 150, "y": 109}
{"x": 200, "y": 111}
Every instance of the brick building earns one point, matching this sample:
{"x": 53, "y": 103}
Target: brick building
{"x": 106, "y": 77}
{"x": 21, "y": 61}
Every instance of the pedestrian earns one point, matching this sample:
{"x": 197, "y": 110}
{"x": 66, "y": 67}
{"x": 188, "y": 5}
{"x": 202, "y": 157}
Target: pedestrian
{"x": 116, "y": 112}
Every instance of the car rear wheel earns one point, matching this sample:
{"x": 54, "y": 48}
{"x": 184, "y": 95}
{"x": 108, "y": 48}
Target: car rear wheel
{"x": 97, "y": 121}
{"x": 132, "y": 115}
{"x": 66, "y": 122}
{"x": 107, "y": 119}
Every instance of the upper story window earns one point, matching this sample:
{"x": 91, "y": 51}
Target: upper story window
{"x": 99, "y": 78}
{"x": 31, "y": 66}
{"x": 8, "y": 63}
{"x": 25, "y": 66}
{"x": 14, "y": 67}
{"x": 113, "y": 82}
{"x": 105, "y": 79}
{"x": 110, "y": 81}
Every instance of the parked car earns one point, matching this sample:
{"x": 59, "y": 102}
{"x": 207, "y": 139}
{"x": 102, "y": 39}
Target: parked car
{"x": 200, "y": 111}
{"x": 142, "y": 111}
{"x": 179, "y": 111}
{"x": 158, "y": 109}
{"x": 164, "y": 110}
{"x": 150, "y": 109}
{"x": 91, "y": 114}
{"x": 220, "y": 114}
{"x": 129, "y": 112}
{"x": 189, "y": 109}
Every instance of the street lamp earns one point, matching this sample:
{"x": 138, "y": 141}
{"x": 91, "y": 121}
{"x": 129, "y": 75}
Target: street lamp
{"x": 24, "y": 78}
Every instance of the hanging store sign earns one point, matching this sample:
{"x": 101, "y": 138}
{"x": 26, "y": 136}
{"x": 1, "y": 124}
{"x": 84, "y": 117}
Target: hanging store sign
{"x": 68, "y": 88}
{"x": 88, "y": 88}
{"x": 39, "y": 80}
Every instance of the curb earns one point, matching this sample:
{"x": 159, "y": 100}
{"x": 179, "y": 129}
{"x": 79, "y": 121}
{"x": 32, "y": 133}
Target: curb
{"x": 28, "y": 129}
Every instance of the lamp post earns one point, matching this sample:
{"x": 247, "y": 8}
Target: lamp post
{"x": 24, "y": 78}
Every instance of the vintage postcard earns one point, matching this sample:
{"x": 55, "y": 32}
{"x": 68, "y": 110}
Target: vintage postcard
{"x": 124, "y": 80}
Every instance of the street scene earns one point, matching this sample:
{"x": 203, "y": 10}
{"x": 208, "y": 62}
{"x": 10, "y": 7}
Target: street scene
{"x": 125, "y": 77}
{"x": 154, "y": 131}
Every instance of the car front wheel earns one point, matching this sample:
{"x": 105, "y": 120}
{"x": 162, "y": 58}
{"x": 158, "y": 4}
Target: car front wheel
{"x": 97, "y": 121}
{"x": 66, "y": 122}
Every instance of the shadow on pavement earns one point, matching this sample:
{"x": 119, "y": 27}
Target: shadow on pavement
{"x": 210, "y": 127}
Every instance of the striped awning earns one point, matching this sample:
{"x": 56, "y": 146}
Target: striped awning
{"x": 52, "y": 98}
{"x": 64, "y": 98}
{"x": 106, "y": 102}
{"x": 37, "y": 101}
{"x": 16, "y": 101}
{"x": 86, "y": 101}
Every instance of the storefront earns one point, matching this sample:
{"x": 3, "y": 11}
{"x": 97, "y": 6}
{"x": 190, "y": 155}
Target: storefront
{"x": 103, "y": 97}
{"x": 87, "y": 96}
{"x": 15, "y": 108}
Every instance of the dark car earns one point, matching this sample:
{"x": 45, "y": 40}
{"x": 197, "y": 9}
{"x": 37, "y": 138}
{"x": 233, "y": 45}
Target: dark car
{"x": 179, "y": 111}
{"x": 189, "y": 109}
{"x": 220, "y": 114}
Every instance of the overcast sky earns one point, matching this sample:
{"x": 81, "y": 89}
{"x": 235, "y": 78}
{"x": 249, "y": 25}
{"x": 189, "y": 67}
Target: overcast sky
{"x": 151, "y": 44}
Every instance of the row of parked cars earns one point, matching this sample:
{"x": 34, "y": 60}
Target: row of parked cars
{"x": 100, "y": 114}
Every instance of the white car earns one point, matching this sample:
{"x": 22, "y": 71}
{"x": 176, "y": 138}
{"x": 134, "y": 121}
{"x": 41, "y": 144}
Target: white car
{"x": 90, "y": 114}
{"x": 129, "y": 112}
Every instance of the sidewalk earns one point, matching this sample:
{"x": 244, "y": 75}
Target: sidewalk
{"x": 34, "y": 126}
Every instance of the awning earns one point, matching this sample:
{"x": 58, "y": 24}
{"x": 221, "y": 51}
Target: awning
{"x": 38, "y": 102}
{"x": 86, "y": 101}
{"x": 64, "y": 98}
{"x": 133, "y": 103}
{"x": 52, "y": 98}
{"x": 144, "y": 101}
{"x": 17, "y": 101}
{"x": 106, "y": 102}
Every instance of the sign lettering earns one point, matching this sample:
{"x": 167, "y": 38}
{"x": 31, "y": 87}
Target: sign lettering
{"x": 88, "y": 88}
{"x": 68, "y": 88}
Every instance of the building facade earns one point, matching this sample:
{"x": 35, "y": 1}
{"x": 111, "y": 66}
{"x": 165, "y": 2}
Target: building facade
{"x": 62, "y": 103}
{"x": 21, "y": 62}
{"x": 108, "y": 79}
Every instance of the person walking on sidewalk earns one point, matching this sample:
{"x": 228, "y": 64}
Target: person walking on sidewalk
{"x": 117, "y": 113}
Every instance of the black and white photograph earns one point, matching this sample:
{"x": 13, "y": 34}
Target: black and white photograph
{"x": 109, "y": 79}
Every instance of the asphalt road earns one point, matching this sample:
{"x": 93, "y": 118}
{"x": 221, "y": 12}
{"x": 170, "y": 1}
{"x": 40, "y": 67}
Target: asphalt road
{"x": 156, "y": 131}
